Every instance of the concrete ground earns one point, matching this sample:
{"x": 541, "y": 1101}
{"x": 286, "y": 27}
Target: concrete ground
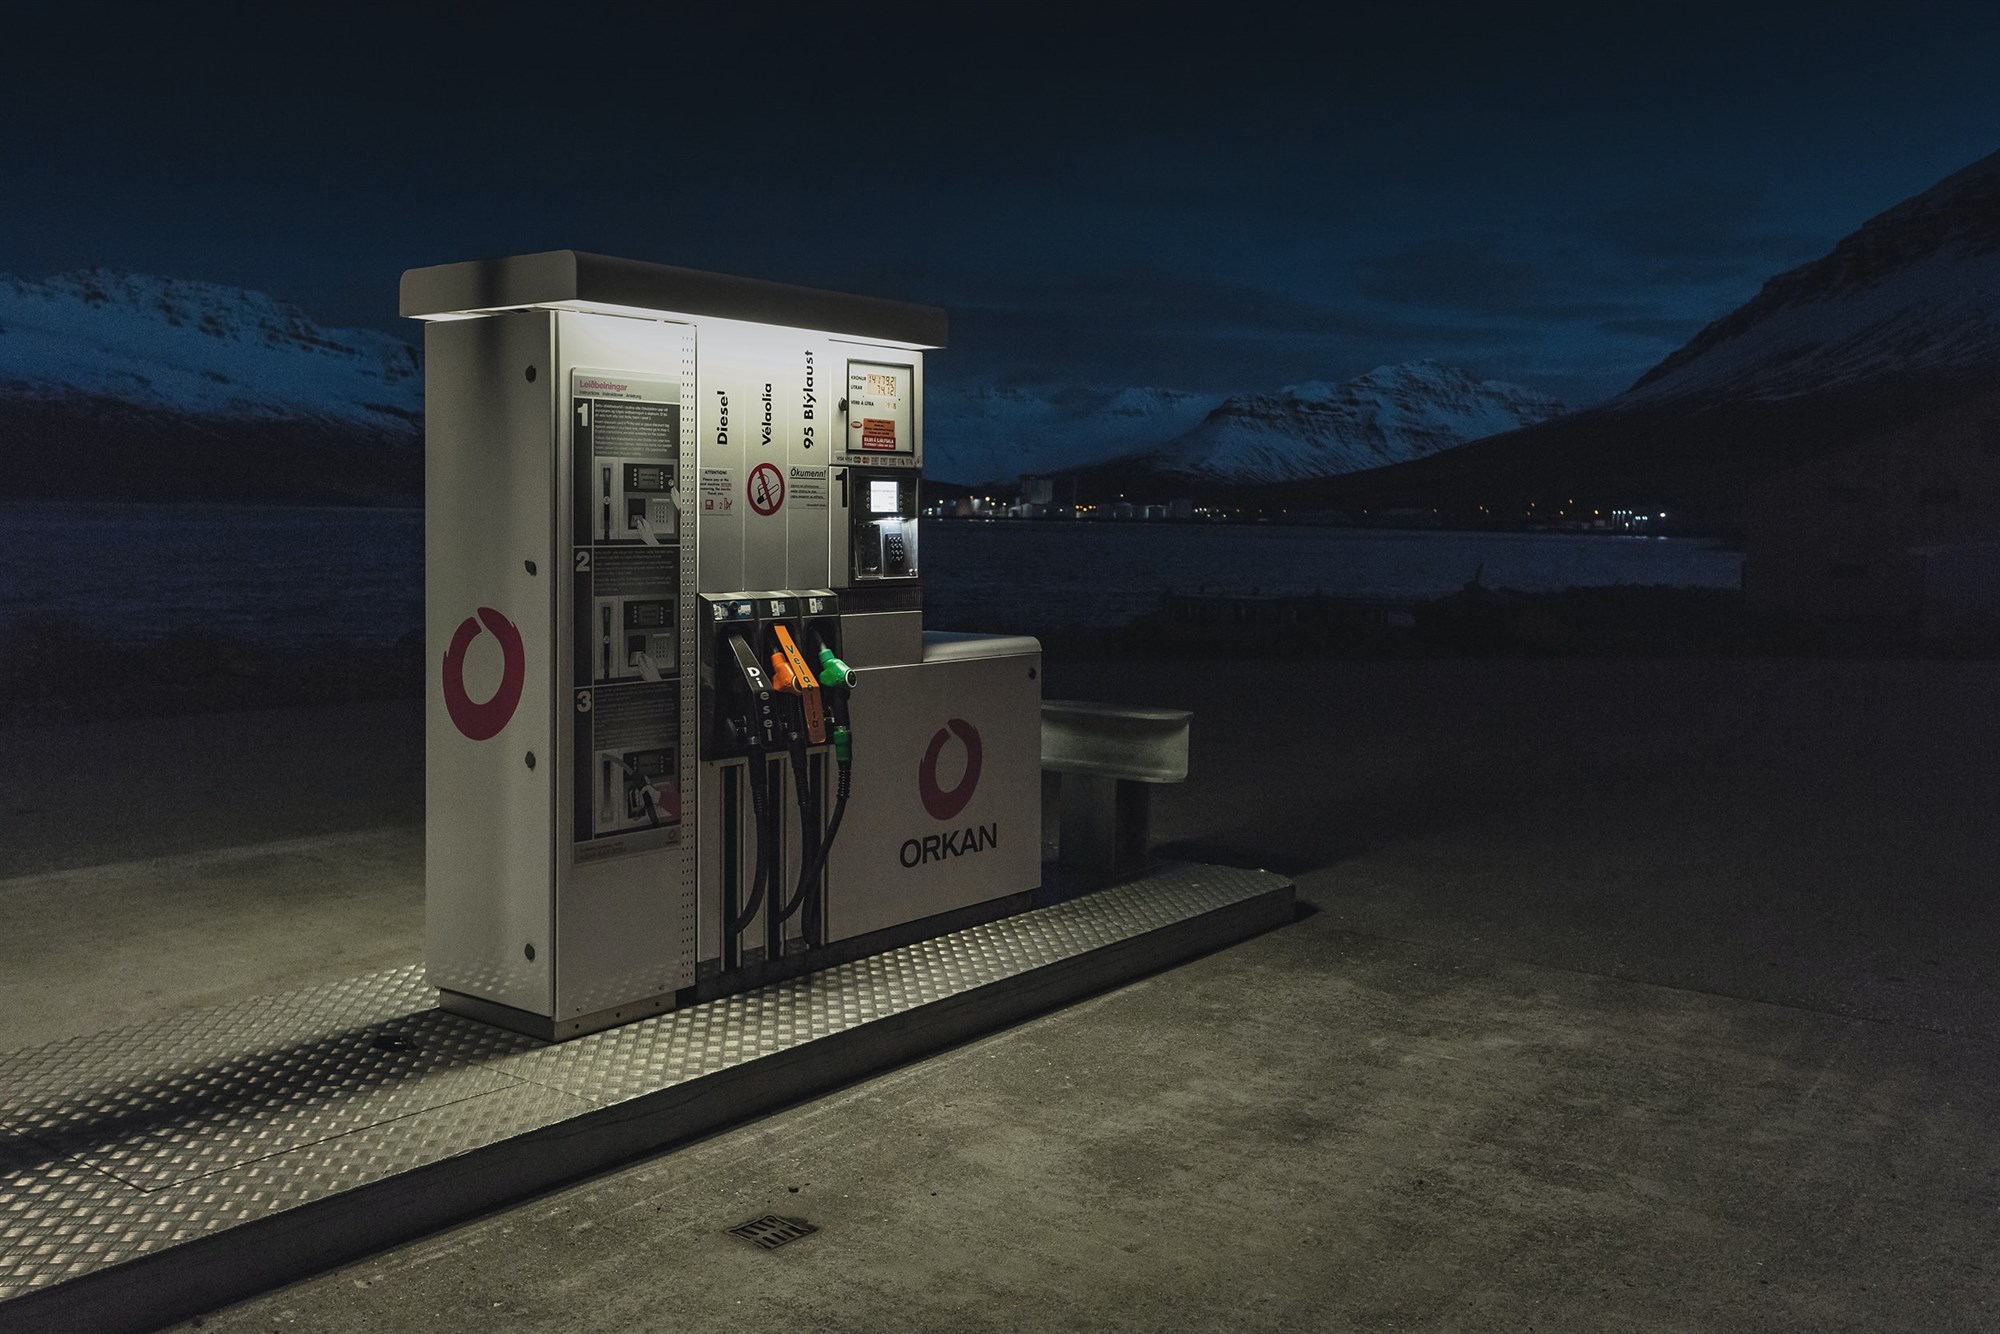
{"x": 1638, "y": 995}
{"x": 174, "y": 862}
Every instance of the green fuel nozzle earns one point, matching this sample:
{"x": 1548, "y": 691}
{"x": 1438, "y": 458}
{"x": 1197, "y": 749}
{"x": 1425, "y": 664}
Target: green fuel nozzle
{"x": 834, "y": 672}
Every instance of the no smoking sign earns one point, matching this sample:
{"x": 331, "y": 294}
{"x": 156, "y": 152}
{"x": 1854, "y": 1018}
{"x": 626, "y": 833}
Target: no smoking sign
{"x": 766, "y": 489}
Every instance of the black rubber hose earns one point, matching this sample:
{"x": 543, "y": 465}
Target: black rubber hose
{"x": 809, "y": 845}
{"x": 760, "y": 809}
{"x": 809, "y": 854}
{"x": 810, "y": 874}
{"x": 810, "y": 906}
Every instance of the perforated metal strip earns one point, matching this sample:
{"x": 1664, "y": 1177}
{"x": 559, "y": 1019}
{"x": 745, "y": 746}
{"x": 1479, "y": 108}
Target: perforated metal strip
{"x": 125, "y": 1143}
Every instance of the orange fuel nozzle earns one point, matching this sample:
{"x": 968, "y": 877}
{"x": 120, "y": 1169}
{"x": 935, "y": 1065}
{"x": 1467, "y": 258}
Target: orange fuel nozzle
{"x": 781, "y": 674}
{"x": 804, "y": 682}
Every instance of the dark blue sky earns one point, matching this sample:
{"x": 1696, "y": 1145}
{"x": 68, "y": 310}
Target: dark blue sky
{"x": 1225, "y": 199}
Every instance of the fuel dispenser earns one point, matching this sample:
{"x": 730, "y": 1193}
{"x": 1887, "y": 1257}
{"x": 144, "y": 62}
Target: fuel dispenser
{"x": 685, "y": 731}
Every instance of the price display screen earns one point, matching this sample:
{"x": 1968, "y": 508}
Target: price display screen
{"x": 880, "y": 403}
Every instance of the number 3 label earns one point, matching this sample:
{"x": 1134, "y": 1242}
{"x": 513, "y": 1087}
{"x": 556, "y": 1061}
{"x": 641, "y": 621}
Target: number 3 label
{"x": 583, "y": 701}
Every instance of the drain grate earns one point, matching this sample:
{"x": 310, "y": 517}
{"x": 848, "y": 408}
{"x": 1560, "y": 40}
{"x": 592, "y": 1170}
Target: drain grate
{"x": 770, "y": 1232}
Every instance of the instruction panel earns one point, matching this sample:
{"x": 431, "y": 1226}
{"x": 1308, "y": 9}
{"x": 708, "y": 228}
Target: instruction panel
{"x": 625, "y": 571}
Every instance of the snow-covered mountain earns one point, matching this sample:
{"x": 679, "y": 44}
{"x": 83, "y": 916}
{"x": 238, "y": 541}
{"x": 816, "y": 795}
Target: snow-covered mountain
{"x": 1916, "y": 290}
{"x": 1390, "y": 415}
{"x": 1897, "y": 321}
{"x": 164, "y": 388}
{"x": 123, "y": 386}
{"x": 198, "y": 349}
{"x": 984, "y": 434}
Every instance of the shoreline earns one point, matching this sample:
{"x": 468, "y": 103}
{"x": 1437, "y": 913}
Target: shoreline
{"x": 59, "y": 668}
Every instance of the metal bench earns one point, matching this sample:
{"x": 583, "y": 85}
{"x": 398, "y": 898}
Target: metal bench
{"x": 1100, "y": 764}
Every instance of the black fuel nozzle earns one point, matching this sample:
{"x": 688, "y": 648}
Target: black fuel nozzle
{"x": 757, "y": 710}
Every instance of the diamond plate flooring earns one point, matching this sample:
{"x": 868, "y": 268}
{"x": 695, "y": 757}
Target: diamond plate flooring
{"x": 126, "y": 1143}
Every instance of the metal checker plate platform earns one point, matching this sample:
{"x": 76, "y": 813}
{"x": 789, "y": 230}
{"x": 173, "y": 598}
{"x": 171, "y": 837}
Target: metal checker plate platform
{"x": 121, "y": 1150}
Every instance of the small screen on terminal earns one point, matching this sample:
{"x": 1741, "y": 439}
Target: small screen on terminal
{"x": 882, "y": 497}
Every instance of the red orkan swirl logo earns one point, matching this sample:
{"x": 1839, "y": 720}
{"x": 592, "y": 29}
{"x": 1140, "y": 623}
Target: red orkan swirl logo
{"x": 941, "y": 804}
{"x": 482, "y": 720}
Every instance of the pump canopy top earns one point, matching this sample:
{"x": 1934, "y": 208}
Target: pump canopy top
{"x": 576, "y": 280}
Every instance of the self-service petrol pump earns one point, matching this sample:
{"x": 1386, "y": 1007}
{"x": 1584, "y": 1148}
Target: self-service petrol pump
{"x": 685, "y": 731}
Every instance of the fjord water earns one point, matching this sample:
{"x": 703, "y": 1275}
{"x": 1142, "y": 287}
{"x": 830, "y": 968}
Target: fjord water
{"x": 1055, "y": 573}
{"x": 315, "y": 574}
{"x": 301, "y": 574}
